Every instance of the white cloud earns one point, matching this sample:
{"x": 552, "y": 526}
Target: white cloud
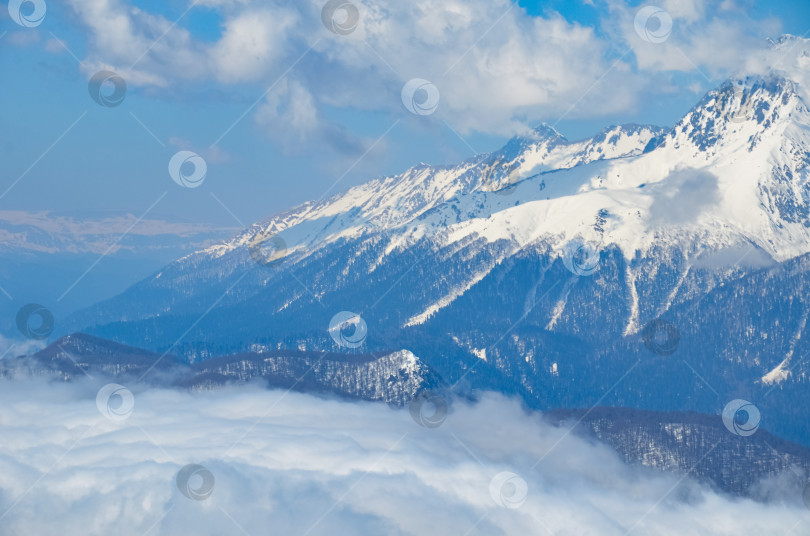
{"x": 497, "y": 68}
{"x": 251, "y": 43}
{"x": 290, "y": 116}
{"x": 705, "y": 38}
{"x": 11, "y": 348}
{"x": 291, "y": 105}
{"x": 293, "y": 463}
{"x": 145, "y": 49}
{"x": 688, "y": 10}
{"x": 683, "y": 196}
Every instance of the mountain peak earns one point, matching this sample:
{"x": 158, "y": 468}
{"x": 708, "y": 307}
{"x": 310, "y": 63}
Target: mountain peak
{"x": 788, "y": 57}
{"x": 546, "y": 131}
{"x": 739, "y": 114}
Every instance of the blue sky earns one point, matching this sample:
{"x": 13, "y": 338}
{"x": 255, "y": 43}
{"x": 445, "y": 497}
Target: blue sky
{"x": 324, "y": 118}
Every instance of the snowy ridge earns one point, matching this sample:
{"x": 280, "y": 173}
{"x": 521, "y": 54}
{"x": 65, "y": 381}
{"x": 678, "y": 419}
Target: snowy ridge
{"x": 391, "y": 377}
{"x": 739, "y": 199}
{"x": 386, "y": 204}
{"x": 744, "y": 148}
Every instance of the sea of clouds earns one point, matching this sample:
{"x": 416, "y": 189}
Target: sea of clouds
{"x": 272, "y": 462}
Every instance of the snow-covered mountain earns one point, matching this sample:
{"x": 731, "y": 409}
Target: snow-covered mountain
{"x": 394, "y": 378}
{"x": 535, "y": 269}
{"x": 760, "y": 466}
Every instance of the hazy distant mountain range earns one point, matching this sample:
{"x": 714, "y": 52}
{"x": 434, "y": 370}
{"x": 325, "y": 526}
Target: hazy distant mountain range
{"x": 96, "y": 256}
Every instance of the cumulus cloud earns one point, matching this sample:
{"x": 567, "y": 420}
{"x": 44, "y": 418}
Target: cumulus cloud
{"x": 296, "y": 464}
{"x": 713, "y": 40}
{"x": 251, "y": 42}
{"x": 497, "y": 68}
{"x": 142, "y": 47}
{"x": 290, "y": 116}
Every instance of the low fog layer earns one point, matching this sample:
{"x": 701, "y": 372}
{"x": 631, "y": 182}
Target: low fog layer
{"x": 287, "y": 463}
